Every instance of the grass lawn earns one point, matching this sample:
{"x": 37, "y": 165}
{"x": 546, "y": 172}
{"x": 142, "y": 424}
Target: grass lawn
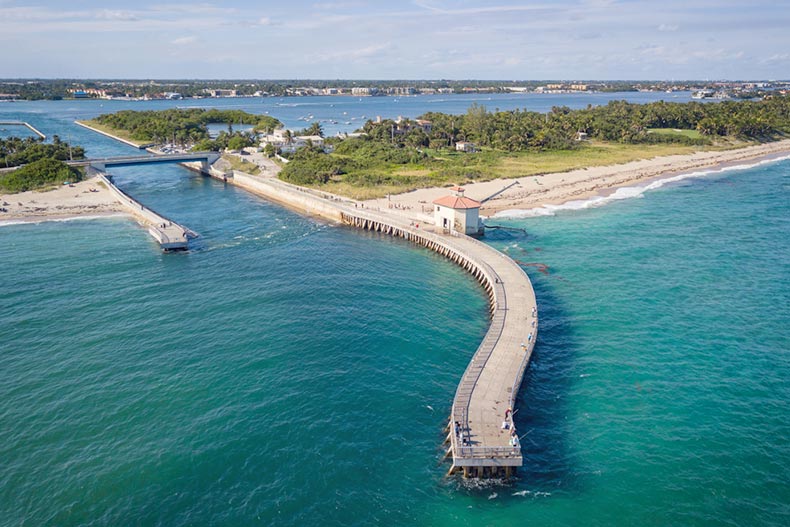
{"x": 451, "y": 168}
{"x": 242, "y": 165}
{"x": 691, "y": 134}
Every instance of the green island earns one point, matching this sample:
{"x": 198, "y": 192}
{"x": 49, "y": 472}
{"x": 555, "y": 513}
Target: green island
{"x": 438, "y": 149}
{"x": 41, "y": 165}
{"x": 184, "y": 127}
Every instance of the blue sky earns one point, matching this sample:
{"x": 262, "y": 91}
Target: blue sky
{"x": 351, "y": 39}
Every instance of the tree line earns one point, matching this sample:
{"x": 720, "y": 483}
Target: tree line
{"x": 15, "y": 151}
{"x": 185, "y": 126}
{"x": 620, "y": 121}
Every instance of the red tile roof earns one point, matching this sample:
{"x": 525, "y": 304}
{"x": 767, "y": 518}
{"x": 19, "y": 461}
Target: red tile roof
{"x": 457, "y": 202}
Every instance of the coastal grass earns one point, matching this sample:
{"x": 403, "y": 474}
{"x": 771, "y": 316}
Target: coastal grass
{"x": 447, "y": 168}
{"x": 123, "y": 134}
{"x": 242, "y": 165}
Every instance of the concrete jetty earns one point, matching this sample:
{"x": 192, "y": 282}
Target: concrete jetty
{"x": 111, "y": 136}
{"x": 478, "y": 444}
{"x": 26, "y": 125}
{"x": 170, "y": 235}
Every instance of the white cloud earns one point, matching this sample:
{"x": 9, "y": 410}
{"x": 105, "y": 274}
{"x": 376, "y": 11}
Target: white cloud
{"x": 184, "y": 41}
{"x": 108, "y": 14}
{"x": 264, "y": 21}
{"x": 777, "y": 57}
{"x": 336, "y": 5}
{"x": 358, "y": 54}
{"x": 668, "y": 27}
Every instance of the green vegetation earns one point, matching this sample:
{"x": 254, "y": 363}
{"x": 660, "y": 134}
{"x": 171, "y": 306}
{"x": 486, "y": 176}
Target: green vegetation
{"x": 117, "y": 132}
{"x": 242, "y": 165}
{"x": 315, "y": 128}
{"x": 400, "y": 156}
{"x": 15, "y": 151}
{"x": 230, "y": 140}
{"x": 37, "y": 174}
{"x": 181, "y": 126}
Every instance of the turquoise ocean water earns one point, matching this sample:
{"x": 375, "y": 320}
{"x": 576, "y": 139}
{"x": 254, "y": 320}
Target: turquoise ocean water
{"x": 286, "y": 371}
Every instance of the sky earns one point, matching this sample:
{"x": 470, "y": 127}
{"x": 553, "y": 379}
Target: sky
{"x": 417, "y": 39}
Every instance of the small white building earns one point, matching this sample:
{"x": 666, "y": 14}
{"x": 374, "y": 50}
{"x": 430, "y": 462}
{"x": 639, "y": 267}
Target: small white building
{"x": 457, "y": 212}
{"x": 279, "y": 139}
{"x": 465, "y": 146}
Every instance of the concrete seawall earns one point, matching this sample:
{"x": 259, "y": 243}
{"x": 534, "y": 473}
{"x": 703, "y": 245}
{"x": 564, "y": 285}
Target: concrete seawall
{"x": 291, "y": 196}
{"x": 111, "y": 136}
{"x": 26, "y": 125}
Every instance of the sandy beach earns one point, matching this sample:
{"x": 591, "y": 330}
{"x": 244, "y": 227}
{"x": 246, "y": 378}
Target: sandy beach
{"x": 535, "y": 192}
{"x": 86, "y": 198}
{"x": 531, "y": 193}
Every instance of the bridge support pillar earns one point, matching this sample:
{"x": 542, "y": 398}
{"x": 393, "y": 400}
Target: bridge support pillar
{"x": 204, "y": 166}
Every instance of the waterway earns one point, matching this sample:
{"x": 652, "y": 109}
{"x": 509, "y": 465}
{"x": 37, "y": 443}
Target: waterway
{"x": 287, "y": 371}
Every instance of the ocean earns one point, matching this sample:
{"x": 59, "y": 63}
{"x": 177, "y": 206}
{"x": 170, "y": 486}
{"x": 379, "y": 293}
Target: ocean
{"x": 288, "y": 371}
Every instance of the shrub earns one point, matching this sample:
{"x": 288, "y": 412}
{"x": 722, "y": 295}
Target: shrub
{"x": 39, "y": 174}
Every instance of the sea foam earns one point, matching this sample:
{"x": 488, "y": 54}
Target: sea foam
{"x": 635, "y": 191}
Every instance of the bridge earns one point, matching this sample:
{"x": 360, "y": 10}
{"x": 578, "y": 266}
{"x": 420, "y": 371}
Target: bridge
{"x": 26, "y": 125}
{"x": 206, "y": 159}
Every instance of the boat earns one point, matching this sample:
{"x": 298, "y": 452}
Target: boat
{"x": 702, "y": 94}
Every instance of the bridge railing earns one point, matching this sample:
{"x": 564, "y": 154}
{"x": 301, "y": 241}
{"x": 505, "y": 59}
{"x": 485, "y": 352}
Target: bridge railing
{"x": 488, "y": 452}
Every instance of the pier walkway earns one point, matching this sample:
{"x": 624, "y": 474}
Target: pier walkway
{"x": 488, "y": 388}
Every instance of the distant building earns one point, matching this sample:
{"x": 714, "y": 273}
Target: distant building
{"x": 457, "y": 212}
{"x": 364, "y": 91}
{"x": 404, "y": 126}
{"x": 426, "y": 125}
{"x": 465, "y": 146}
{"x": 401, "y": 90}
{"x": 82, "y": 93}
{"x": 221, "y": 93}
{"x": 279, "y": 139}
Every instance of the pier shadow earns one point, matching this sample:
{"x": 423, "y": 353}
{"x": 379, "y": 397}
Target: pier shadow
{"x": 541, "y": 411}
{"x": 542, "y": 402}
